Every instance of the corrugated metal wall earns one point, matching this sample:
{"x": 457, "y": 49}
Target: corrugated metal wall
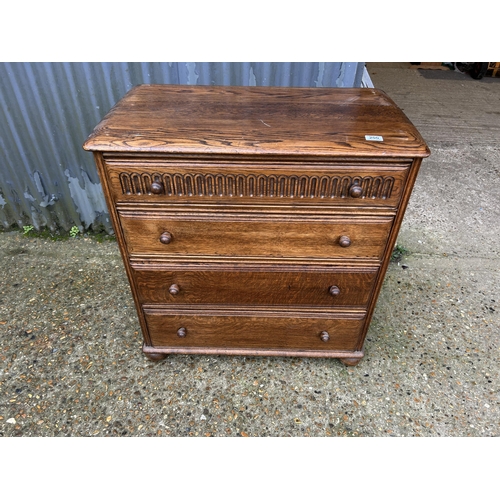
{"x": 47, "y": 111}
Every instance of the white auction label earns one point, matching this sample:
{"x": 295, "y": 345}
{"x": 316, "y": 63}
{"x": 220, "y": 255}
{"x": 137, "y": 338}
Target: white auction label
{"x": 374, "y": 138}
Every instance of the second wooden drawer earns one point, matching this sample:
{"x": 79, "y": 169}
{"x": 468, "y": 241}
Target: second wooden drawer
{"x": 236, "y": 235}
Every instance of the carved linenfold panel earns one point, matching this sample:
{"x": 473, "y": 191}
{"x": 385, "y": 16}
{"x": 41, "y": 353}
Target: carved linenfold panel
{"x": 256, "y": 186}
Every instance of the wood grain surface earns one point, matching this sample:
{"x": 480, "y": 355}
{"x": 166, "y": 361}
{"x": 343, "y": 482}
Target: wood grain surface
{"x": 379, "y": 185}
{"x": 257, "y": 120}
{"x": 248, "y": 329}
{"x": 260, "y": 285}
{"x": 256, "y": 236}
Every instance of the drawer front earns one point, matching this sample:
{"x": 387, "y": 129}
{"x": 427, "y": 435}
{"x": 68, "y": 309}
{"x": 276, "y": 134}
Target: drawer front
{"x": 163, "y": 233}
{"x": 234, "y": 329}
{"x": 355, "y": 185}
{"x": 326, "y": 286}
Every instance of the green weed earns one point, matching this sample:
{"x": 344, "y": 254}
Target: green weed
{"x": 399, "y": 252}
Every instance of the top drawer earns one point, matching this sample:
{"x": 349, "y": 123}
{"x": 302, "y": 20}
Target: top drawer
{"x": 345, "y": 185}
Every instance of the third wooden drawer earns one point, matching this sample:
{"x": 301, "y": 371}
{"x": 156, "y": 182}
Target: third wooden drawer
{"x": 323, "y": 286}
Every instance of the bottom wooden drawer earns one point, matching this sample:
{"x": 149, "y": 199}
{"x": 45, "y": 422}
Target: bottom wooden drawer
{"x": 251, "y": 329}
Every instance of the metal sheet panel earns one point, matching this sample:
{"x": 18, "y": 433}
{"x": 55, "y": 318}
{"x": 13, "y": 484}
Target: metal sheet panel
{"x": 47, "y": 110}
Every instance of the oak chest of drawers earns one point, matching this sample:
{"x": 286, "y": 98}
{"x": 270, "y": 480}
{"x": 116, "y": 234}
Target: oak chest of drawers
{"x": 256, "y": 220}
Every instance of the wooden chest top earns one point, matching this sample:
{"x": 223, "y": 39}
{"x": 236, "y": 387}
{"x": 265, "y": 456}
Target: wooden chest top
{"x": 177, "y": 119}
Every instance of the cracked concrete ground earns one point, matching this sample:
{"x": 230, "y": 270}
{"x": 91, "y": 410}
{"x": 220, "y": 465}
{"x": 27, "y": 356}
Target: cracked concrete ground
{"x": 70, "y": 358}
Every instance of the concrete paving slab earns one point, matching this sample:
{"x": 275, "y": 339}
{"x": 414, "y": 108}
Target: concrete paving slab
{"x": 448, "y": 107}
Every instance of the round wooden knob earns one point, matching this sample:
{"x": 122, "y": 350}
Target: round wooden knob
{"x": 156, "y": 188}
{"x": 181, "y": 332}
{"x": 174, "y": 289}
{"x": 344, "y": 241}
{"x": 334, "y": 290}
{"x": 166, "y": 238}
{"x": 355, "y": 191}
{"x": 324, "y": 336}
